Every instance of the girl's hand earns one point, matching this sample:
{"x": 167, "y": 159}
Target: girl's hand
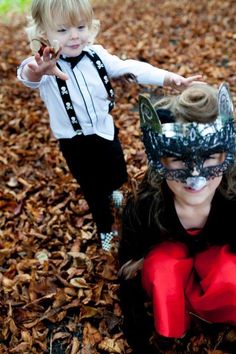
{"x": 129, "y": 269}
{"x": 179, "y": 82}
{"x": 44, "y": 65}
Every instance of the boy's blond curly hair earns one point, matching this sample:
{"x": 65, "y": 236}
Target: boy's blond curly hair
{"x": 43, "y": 14}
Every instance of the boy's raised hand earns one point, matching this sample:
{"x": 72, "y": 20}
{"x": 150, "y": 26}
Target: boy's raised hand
{"x": 179, "y": 82}
{"x": 45, "y": 65}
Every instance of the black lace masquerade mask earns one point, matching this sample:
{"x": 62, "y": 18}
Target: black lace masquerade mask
{"x": 192, "y": 143}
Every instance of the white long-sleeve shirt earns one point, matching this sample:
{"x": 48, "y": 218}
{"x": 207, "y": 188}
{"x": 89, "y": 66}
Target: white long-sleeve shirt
{"x": 88, "y": 94}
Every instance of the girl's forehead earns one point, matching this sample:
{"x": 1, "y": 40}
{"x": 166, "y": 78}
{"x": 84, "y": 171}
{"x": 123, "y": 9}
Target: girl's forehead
{"x": 191, "y": 151}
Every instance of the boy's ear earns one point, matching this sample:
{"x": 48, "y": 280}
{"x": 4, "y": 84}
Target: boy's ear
{"x": 225, "y": 102}
{"x": 148, "y": 115}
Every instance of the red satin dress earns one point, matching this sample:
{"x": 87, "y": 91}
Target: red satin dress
{"x": 179, "y": 284}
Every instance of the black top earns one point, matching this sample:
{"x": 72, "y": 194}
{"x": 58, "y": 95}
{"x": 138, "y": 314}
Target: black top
{"x": 140, "y": 233}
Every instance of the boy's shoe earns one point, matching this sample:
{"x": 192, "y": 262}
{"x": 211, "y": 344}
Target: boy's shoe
{"x": 117, "y": 198}
{"x": 106, "y": 238}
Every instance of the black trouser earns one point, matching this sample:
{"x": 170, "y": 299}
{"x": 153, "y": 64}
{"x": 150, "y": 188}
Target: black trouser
{"x": 99, "y": 167}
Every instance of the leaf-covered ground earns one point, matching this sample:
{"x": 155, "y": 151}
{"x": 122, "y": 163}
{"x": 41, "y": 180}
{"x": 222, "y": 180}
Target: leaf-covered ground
{"x": 58, "y": 290}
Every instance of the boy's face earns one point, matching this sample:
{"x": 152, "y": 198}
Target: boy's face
{"x": 72, "y": 39}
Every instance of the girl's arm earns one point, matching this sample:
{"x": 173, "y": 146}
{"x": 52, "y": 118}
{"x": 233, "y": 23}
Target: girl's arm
{"x": 137, "y": 320}
{"x": 132, "y": 246}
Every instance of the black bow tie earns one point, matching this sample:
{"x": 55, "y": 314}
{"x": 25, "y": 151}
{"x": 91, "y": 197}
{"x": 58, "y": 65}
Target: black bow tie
{"x": 73, "y": 60}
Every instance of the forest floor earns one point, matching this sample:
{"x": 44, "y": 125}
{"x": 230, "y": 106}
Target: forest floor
{"x": 58, "y": 289}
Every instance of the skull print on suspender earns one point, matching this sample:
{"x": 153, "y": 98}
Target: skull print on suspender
{"x": 64, "y": 92}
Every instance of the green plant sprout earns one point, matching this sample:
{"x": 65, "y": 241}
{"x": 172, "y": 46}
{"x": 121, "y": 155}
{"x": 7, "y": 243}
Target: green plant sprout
{"x": 11, "y": 6}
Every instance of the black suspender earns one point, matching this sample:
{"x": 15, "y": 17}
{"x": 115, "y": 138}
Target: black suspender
{"x": 64, "y": 92}
{"x": 103, "y": 75}
{"x": 68, "y": 104}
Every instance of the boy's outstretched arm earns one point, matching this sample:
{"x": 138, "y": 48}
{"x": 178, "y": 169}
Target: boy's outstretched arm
{"x": 43, "y": 65}
{"x": 179, "y": 82}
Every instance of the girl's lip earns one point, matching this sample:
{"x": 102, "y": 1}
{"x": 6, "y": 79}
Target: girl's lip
{"x": 192, "y": 190}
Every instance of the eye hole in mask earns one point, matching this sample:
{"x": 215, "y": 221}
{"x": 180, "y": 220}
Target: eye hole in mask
{"x": 205, "y": 160}
{"x": 214, "y": 159}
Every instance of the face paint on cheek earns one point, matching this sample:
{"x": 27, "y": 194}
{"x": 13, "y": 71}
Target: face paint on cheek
{"x": 196, "y": 183}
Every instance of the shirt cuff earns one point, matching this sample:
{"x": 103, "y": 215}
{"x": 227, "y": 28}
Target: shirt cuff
{"x": 31, "y": 84}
